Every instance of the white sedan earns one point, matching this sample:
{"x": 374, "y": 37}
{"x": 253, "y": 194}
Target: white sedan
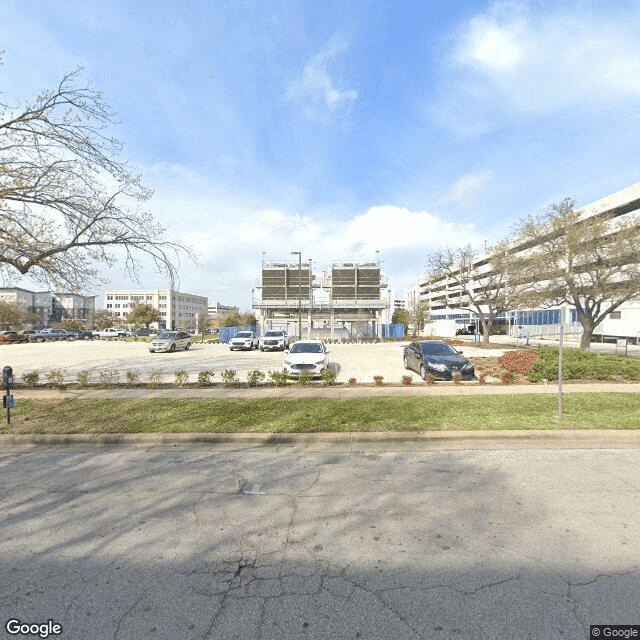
{"x": 305, "y": 357}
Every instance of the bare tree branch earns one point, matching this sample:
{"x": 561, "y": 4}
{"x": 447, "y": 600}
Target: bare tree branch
{"x": 67, "y": 200}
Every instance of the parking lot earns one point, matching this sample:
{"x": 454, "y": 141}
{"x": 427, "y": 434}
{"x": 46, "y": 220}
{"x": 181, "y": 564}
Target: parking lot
{"x": 359, "y": 361}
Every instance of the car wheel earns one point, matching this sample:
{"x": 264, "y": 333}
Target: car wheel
{"x": 172, "y": 348}
{"x": 96, "y": 337}
{"x": 152, "y": 350}
{"x": 423, "y": 372}
{"x": 187, "y": 346}
{"x": 406, "y": 362}
{"x": 86, "y": 338}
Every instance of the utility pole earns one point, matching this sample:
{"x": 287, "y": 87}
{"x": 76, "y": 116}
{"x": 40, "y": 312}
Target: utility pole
{"x": 299, "y": 254}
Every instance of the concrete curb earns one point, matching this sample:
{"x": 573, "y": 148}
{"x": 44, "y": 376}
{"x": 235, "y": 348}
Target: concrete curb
{"x": 350, "y": 441}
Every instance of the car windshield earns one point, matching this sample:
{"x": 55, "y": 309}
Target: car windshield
{"x": 437, "y": 349}
{"x": 243, "y": 334}
{"x": 167, "y": 335}
{"x": 306, "y": 347}
{"x": 272, "y": 334}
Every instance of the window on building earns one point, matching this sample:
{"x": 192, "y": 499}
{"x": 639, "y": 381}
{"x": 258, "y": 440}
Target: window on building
{"x": 615, "y": 315}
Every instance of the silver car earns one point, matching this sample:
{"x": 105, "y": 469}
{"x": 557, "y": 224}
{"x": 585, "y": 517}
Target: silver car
{"x": 170, "y": 341}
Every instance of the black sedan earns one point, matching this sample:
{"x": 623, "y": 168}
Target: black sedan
{"x": 437, "y": 358}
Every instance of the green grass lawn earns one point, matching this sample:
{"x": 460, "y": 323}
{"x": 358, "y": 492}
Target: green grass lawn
{"x": 522, "y": 411}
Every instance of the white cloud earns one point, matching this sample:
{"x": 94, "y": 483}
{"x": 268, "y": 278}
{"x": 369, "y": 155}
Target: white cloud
{"x": 317, "y": 89}
{"x": 466, "y": 190}
{"x": 514, "y": 59}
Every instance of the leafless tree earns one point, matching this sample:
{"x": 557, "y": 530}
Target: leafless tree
{"x": 564, "y": 256}
{"x": 68, "y": 202}
{"x": 469, "y": 282}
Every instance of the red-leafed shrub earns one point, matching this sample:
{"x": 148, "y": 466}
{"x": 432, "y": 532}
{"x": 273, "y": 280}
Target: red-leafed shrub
{"x": 518, "y": 361}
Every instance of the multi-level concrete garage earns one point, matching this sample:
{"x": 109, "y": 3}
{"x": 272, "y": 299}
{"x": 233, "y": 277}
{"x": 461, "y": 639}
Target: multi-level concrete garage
{"x": 349, "y": 299}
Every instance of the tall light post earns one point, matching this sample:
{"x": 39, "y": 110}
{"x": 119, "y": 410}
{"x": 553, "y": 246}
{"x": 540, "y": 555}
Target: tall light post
{"x": 299, "y": 254}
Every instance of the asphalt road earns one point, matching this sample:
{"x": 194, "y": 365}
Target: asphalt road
{"x": 270, "y": 542}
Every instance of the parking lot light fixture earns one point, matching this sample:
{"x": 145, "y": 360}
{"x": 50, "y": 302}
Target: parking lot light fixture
{"x": 299, "y": 254}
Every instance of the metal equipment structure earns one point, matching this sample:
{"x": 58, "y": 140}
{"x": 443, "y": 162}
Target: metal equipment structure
{"x": 349, "y": 299}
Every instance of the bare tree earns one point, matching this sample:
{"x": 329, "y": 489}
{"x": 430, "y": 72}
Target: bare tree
{"x": 470, "y": 283}
{"x": 67, "y": 200}
{"x": 563, "y": 256}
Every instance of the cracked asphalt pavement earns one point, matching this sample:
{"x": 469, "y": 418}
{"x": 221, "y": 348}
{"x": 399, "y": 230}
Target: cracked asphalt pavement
{"x": 265, "y": 542}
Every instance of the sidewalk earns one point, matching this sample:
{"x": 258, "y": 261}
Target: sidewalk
{"x": 338, "y": 391}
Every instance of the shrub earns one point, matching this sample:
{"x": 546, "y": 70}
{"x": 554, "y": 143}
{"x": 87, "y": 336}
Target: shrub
{"x": 229, "y": 378}
{"x": 155, "y": 378}
{"x": 278, "y": 378}
{"x": 108, "y": 378}
{"x": 457, "y": 378}
{"x": 182, "y": 377}
{"x": 406, "y": 381}
{"x": 507, "y": 377}
{"x": 430, "y": 379}
{"x": 55, "y": 377}
{"x": 204, "y": 378}
{"x": 133, "y": 378}
{"x": 377, "y": 381}
{"x": 304, "y": 379}
{"x": 255, "y": 377}
{"x": 352, "y": 380}
{"x": 83, "y": 378}
{"x": 328, "y": 377}
{"x": 31, "y": 378}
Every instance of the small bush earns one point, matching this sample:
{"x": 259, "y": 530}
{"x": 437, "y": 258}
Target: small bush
{"x": 182, "y": 377}
{"x": 304, "y": 380}
{"x": 204, "y": 378}
{"x": 55, "y": 377}
{"x": 133, "y": 378}
{"x": 155, "y": 378}
{"x": 108, "y": 378}
{"x": 406, "y": 381}
{"x": 352, "y": 380}
{"x": 457, "y": 378}
{"x": 31, "y": 378}
{"x": 507, "y": 377}
{"x": 229, "y": 377}
{"x": 328, "y": 377}
{"x": 430, "y": 379}
{"x": 255, "y": 377}
{"x": 278, "y": 378}
{"x": 377, "y": 381}
{"x": 83, "y": 378}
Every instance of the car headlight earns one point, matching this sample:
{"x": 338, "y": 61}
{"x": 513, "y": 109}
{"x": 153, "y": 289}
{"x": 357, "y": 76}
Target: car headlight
{"x": 437, "y": 366}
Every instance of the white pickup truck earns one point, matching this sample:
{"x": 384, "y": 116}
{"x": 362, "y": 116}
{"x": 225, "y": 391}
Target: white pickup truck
{"x": 110, "y": 332}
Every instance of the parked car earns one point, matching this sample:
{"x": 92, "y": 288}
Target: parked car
{"x": 305, "y": 357}
{"x": 80, "y": 334}
{"x": 273, "y": 341}
{"x": 244, "y": 340}
{"x": 51, "y": 334}
{"x": 143, "y": 332}
{"x": 13, "y": 336}
{"x": 437, "y": 358}
{"x": 110, "y": 332}
{"x": 170, "y": 341}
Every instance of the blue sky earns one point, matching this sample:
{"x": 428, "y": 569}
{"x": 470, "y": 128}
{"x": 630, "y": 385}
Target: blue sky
{"x": 345, "y": 128}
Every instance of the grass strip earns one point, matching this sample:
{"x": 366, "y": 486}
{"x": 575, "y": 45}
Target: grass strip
{"x": 524, "y": 411}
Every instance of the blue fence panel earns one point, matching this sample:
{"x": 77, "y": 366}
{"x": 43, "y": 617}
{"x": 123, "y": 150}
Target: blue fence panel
{"x": 393, "y": 330}
{"x": 227, "y": 333}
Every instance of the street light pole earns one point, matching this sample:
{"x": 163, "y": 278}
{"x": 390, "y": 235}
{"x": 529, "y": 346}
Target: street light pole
{"x": 299, "y": 254}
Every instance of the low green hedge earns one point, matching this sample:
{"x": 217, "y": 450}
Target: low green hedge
{"x": 582, "y": 365}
